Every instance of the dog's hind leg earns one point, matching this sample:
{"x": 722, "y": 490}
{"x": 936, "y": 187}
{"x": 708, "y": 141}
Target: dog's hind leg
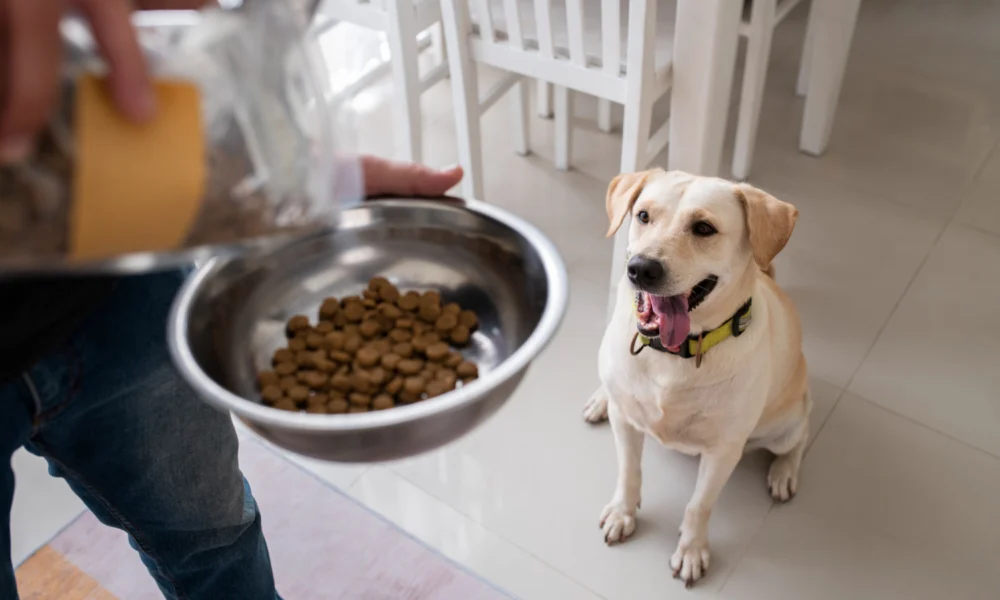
{"x": 783, "y": 476}
{"x": 596, "y": 409}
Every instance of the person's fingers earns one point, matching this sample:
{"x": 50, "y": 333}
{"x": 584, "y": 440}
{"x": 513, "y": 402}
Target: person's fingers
{"x": 131, "y": 85}
{"x": 32, "y": 55}
{"x": 385, "y": 177}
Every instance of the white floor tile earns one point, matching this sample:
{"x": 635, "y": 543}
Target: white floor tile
{"x": 460, "y": 538}
{"x": 936, "y": 361}
{"x": 886, "y": 509}
{"x": 981, "y": 208}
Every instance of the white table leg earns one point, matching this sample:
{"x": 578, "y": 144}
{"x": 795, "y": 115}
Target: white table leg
{"x": 705, "y": 41}
{"x": 830, "y": 46}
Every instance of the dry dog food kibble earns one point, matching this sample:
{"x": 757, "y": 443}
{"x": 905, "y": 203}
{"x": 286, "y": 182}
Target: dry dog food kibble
{"x": 373, "y": 351}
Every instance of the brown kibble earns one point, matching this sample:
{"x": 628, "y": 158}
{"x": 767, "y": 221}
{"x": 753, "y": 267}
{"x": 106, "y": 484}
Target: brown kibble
{"x": 431, "y": 297}
{"x": 419, "y": 327}
{"x": 429, "y": 312}
{"x": 368, "y": 357}
{"x": 298, "y": 393}
{"x": 266, "y": 378}
{"x": 436, "y": 388}
{"x": 377, "y": 376}
{"x": 421, "y": 342}
{"x": 339, "y": 320}
{"x": 296, "y": 324}
{"x": 410, "y": 301}
{"x": 357, "y": 409}
{"x": 324, "y": 365}
{"x": 354, "y": 312}
{"x": 358, "y": 399}
{"x": 390, "y": 311}
{"x": 287, "y": 382}
{"x": 286, "y": 404}
{"x": 437, "y": 351}
{"x": 370, "y": 295}
{"x": 340, "y": 356}
{"x": 370, "y": 328}
{"x": 460, "y": 335}
{"x": 341, "y": 383}
{"x": 316, "y": 409}
{"x": 334, "y": 340}
{"x": 297, "y": 344}
{"x": 347, "y": 300}
{"x": 453, "y": 360}
{"x": 323, "y": 327}
{"x": 382, "y": 402}
{"x": 350, "y": 329}
{"x": 449, "y": 377}
{"x": 467, "y": 370}
{"x": 369, "y": 303}
{"x": 394, "y": 386}
{"x": 316, "y": 380}
{"x": 360, "y": 381}
{"x": 285, "y": 368}
{"x": 314, "y": 341}
{"x": 445, "y": 323}
{"x": 410, "y": 366}
{"x": 329, "y": 308}
{"x": 352, "y": 343}
{"x": 468, "y": 319}
{"x": 389, "y": 293}
{"x": 382, "y": 345}
{"x": 414, "y": 385}
{"x": 282, "y": 355}
{"x": 318, "y": 399}
{"x": 408, "y": 398}
{"x": 452, "y": 308}
{"x": 389, "y": 361}
{"x": 377, "y": 283}
{"x": 404, "y": 323}
{"x": 400, "y": 335}
{"x": 271, "y": 394}
{"x": 404, "y": 350}
{"x": 337, "y": 406}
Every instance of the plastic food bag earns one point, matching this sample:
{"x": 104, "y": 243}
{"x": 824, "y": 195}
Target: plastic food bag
{"x": 271, "y": 165}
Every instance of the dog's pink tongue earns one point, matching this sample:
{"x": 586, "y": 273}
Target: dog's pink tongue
{"x": 672, "y": 318}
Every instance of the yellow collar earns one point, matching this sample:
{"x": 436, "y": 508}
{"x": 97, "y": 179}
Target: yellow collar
{"x": 695, "y": 346}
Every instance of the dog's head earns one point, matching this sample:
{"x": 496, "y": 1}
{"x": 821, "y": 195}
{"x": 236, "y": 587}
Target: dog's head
{"x": 691, "y": 240}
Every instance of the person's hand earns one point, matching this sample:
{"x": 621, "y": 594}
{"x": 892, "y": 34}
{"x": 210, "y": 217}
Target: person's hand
{"x": 385, "y": 177}
{"x": 31, "y": 54}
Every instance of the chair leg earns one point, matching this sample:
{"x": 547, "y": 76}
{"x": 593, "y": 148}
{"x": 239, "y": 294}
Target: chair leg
{"x": 521, "y": 121}
{"x": 465, "y": 96}
{"x": 438, "y": 45}
{"x": 543, "y": 91}
{"x": 802, "y": 83}
{"x": 762, "y": 21}
{"x": 604, "y": 115}
{"x": 402, "y": 36}
{"x": 564, "y": 128}
{"x": 831, "y": 46}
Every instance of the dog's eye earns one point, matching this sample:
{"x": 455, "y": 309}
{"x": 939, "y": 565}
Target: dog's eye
{"x": 704, "y": 229}
{"x": 643, "y": 217}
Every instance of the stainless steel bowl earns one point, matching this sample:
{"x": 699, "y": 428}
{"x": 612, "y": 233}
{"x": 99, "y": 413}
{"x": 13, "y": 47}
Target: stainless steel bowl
{"x": 230, "y": 317}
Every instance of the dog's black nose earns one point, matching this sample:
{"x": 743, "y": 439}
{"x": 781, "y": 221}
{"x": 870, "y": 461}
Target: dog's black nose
{"x": 645, "y": 272}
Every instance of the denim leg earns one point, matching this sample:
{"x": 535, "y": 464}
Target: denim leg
{"x": 16, "y": 410}
{"x": 146, "y": 455}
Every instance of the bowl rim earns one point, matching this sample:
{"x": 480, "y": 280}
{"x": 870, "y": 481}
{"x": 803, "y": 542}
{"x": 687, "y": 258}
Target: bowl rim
{"x": 259, "y": 414}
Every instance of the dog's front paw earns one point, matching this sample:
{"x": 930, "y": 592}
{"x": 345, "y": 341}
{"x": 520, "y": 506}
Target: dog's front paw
{"x": 690, "y": 562}
{"x": 596, "y": 409}
{"x": 617, "y": 522}
{"x": 783, "y": 478}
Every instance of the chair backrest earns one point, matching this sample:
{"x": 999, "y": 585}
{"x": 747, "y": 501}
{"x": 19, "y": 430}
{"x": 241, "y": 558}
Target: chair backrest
{"x": 576, "y": 43}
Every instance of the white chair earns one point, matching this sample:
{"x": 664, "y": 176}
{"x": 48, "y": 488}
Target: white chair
{"x": 573, "y": 44}
{"x": 833, "y": 38}
{"x": 410, "y": 26}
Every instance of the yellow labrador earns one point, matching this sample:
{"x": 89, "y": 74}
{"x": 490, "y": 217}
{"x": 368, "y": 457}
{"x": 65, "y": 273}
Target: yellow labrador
{"x": 704, "y": 350}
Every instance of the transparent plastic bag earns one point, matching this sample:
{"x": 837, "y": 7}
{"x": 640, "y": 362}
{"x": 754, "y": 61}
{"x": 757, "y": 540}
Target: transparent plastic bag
{"x": 279, "y": 158}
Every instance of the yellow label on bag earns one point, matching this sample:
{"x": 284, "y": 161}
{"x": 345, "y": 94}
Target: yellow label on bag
{"x": 136, "y": 187}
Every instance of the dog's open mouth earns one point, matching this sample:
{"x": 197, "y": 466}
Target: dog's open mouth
{"x": 666, "y": 317}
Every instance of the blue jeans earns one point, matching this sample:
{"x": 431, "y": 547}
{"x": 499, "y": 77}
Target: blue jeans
{"x": 112, "y": 418}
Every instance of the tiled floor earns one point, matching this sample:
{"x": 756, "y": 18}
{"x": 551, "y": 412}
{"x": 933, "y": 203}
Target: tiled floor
{"x": 894, "y": 267}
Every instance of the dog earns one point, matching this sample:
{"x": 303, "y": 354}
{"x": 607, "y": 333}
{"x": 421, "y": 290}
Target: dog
{"x": 703, "y": 351}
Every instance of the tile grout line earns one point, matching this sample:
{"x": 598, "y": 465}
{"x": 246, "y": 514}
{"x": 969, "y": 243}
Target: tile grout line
{"x": 499, "y": 536}
{"x": 845, "y": 388}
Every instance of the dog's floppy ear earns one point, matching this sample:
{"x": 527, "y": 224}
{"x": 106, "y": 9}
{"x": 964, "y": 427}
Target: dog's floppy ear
{"x": 769, "y": 222}
{"x": 622, "y": 192}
